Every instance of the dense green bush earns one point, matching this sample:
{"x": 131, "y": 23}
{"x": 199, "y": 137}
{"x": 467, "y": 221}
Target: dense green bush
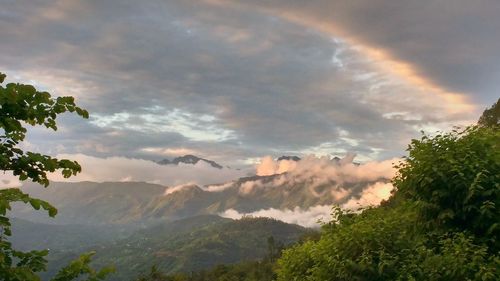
{"x": 455, "y": 179}
{"x": 363, "y": 247}
{"x": 442, "y": 222}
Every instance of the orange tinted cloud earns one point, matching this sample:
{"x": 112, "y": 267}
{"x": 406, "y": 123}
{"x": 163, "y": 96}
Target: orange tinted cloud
{"x": 381, "y": 58}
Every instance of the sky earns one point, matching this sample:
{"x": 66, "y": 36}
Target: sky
{"x": 234, "y": 81}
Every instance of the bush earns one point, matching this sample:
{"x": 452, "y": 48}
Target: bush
{"x": 455, "y": 179}
{"x": 442, "y": 222}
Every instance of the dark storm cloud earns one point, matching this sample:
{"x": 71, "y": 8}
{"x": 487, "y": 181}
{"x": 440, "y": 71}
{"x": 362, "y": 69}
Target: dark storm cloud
{"x": 264, "y": 83}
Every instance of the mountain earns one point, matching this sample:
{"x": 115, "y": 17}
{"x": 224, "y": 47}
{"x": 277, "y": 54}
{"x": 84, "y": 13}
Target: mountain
{"x": 185, "y": 245}
{"x": 145, "y": 204}
{"x": 250, "y": 194}
{"x": 292, "y": 158}
{"x": 90, "y": 203}
{"x": 175, "y": 247}
{"x": 38, "y": 236}
{"x": 189, "y": 159}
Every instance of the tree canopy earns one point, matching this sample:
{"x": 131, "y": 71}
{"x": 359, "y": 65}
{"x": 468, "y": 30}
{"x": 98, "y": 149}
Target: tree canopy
{"x": 491, "y": 116}
{"x": 442, "y": 222}
{"x": 22, "y": 105}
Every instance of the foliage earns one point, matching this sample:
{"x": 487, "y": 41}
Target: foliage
{"x": 80, "y": 267}
{"x": 259, "y": 270}
{"x": 192, "y": 244}
{"x": 359, "y": 248}
{"x": 442, "y": 222}
{"x": 491, "y": 116}
{"x": 455, "y": 180}
{"x": 22, "y": 105}
{"x": 453, "y": 256}
{"x": 253, "y": 270}
{"x": 243, "y": 271}
{"x": 386, "y": 244}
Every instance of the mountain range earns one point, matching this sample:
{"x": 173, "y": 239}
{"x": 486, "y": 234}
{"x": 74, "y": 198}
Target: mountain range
{"x": 143, "y": 203}
{"x": 135, "y": 225}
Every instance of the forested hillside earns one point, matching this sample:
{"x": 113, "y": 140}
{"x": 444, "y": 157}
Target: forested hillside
{"x": 191, "y": 244}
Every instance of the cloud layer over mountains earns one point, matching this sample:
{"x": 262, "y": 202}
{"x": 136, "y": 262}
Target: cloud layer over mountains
{"x": 122, "y": 169}
{"x": 309, "y": 217}
{"x": 316, "y": 173}
{"x": 127, "y": 169}
{"x": 294, "y": 191}
{"x": 326, "y": 169}
{"x": 338, "y": 177}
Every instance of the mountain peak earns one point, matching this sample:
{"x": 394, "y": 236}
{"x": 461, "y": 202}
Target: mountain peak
{"x": 290, "y": 158}
{"x": 188, "y": 159}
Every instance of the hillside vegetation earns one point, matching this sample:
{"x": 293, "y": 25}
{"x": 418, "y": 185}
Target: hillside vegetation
{"x": 186, "y": 245}
{"x": 442, "y": 223}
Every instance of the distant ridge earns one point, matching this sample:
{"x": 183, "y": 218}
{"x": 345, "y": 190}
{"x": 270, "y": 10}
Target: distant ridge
{"x": 188, "y": 159}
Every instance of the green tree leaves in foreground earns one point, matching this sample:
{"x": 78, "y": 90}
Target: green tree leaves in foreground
{"x": 22, "y": 105}
{"x": 442, "y": 222}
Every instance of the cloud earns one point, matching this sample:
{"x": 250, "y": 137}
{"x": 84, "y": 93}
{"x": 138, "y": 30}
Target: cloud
{"x": 268, "y": 166}
{"x": 325, "y": 169}
{"x": 432, "y": 43}
{"x": 370, "y": 196}
{"x": 310, "y": 217}
{"x": 218, "y": 187}
{"x": 249, "y": 186}
{"x": 158, "y": 119}
{"x": 235, "y": 81}
{"x": 177, "y": 151}
{"x": 307, "y": 218}
{"x": 127, "y": 169}
{"x": 176, "y": 188}
{"x": 339, "y": 181}
{"x": 8, "y": 180}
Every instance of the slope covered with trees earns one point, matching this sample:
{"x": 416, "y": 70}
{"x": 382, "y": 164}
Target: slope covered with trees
{"x": 195, "y": 244}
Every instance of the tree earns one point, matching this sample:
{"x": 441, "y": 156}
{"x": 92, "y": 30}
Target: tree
{"x": 491, "y": 116}
{"x": 22, "y": 105}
